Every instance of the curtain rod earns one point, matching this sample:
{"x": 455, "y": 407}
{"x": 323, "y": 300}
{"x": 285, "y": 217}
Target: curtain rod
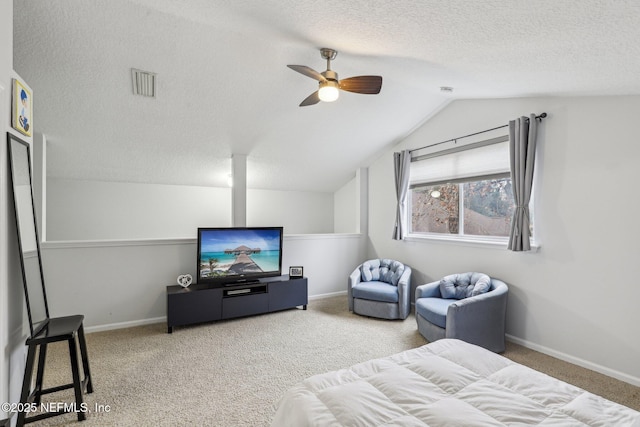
{"x": 540, "y": 117}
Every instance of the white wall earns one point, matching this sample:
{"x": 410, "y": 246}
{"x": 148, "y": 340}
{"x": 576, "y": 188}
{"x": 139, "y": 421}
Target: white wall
{"x": 124, "y": 283}
{"x": 575, "y": 298}
{"x": 6, "y": 66}
{"x": 299, "y": 212}
{"x": 112, "y": 248}
{"x": 346, "y": 208}
{"x": 12, "y": 307}
{"x": 39, "y": 178}
{"x": 96, "y": 210}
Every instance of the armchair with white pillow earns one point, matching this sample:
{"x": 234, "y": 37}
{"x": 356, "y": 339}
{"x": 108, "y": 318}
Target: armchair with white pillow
{"x": 380, "y": 288}
{"x": 468, "y": 306}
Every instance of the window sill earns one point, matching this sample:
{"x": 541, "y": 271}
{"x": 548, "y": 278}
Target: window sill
{"x": 479, "y": 242}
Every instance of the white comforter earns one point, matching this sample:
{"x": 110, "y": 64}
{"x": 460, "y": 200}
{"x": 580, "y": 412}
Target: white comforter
{"x": 445, "y": 383}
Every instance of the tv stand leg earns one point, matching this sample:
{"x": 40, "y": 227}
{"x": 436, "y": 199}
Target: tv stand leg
{"x": 169, "y": 329}
{"x": 304, "y": 307}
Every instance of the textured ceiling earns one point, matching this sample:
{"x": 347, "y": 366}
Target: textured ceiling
{"x": 224, "y": 88}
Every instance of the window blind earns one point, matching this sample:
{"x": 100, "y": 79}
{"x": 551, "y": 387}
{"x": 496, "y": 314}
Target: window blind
{"x": 481, "y": 159}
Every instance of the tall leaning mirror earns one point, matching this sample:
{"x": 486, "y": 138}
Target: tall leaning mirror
{"x": 28, "y": 243}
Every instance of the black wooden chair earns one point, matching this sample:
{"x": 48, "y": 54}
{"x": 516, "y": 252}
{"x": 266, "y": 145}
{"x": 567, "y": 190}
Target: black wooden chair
{"x": 56, "y": 329}
{"x": 44, "y": 330}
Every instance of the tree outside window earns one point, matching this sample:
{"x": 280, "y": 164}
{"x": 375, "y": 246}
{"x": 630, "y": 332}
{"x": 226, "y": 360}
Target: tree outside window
{"x": 486, "y": 208}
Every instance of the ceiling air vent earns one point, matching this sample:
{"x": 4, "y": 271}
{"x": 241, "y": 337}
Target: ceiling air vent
{"x": 144, "y": 83}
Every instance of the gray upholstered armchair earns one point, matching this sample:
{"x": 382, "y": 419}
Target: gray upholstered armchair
{"x": 469, "y": 306}
{"x": 380, "y": 288}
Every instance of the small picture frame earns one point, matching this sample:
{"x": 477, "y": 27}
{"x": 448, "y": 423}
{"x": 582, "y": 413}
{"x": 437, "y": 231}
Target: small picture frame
{"x": 22, "y": 108}
{"x": 295, "y": 271}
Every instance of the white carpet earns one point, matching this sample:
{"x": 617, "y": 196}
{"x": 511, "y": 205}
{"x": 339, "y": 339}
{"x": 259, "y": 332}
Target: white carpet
{"x": 232, "y": 373}
{"x": 228, "y": 373}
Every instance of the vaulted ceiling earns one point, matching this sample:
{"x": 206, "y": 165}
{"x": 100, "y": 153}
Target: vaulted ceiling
{"x": 223, "y": 87}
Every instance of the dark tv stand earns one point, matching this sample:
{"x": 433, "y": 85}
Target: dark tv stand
{"x": 205, "y": 303}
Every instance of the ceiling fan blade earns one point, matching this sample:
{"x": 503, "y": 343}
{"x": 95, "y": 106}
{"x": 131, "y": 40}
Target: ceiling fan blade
{"x": 362, "y": 84}
{"x": 311, "y": 99}
{"x": 309, "y": 72}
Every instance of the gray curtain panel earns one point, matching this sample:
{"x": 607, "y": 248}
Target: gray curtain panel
{"x": 522, "y": 153}
{"x": 401, "y": 162}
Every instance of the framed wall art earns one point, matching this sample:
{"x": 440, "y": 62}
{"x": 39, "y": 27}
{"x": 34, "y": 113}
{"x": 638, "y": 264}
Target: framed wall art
{"x": 22, "y": 110}
{"x": 295, "y": 271}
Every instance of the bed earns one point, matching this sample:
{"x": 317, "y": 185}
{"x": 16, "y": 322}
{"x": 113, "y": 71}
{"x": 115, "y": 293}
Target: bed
{"x": 445, "y": 383}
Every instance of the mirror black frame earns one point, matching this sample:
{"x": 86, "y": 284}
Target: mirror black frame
{"x": 36, "y": 324}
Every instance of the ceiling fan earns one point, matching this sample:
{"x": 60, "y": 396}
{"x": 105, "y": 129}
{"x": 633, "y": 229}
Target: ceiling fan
{"x": 329, "y": 83}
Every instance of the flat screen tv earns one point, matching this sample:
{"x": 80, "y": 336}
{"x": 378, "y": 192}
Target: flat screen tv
{"x": 238, "y": 255}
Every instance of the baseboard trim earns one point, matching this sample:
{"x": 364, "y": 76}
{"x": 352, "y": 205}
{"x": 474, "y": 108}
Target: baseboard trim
{"x": 328, "y": 295}
{"x": 576, "y": 361}
{"x": 122, "y": 325}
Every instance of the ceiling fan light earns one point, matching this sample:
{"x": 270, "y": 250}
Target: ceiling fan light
{"x": 328, "y": 91}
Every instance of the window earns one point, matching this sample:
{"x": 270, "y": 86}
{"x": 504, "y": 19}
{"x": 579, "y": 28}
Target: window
{"x": 462, "y": 191}
{"x": 487, "y": 208}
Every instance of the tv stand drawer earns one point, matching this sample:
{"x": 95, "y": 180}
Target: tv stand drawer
{"x": 247, "y": 305}
{"x": 188, "y": 306}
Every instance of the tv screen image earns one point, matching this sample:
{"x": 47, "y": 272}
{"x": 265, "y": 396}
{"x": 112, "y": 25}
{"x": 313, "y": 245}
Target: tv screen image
{"x": 233, "y": 254}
